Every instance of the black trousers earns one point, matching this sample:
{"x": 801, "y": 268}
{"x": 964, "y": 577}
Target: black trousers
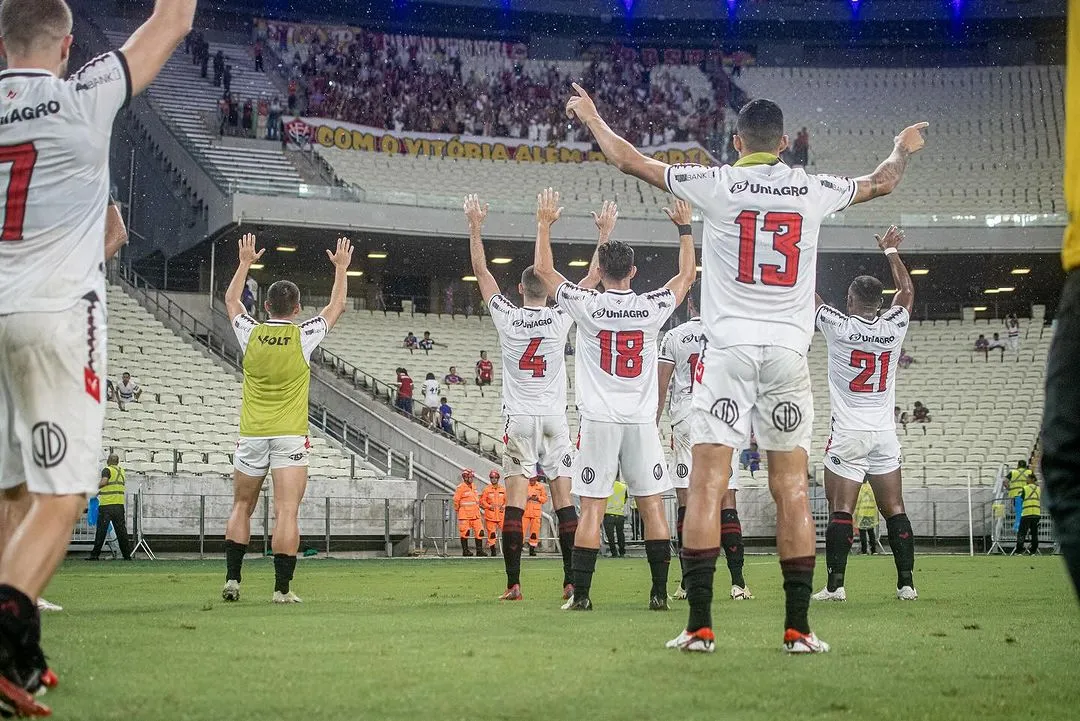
{"x": 1061, "y": 427}
{"x": 615, "y": 531}
{"x": 1029, "y": 526}
{"x": 868, "y": 537}
{"x": 111, "y": 514}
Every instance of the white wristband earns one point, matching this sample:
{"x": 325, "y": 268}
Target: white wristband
{"x": 890, "y": 251}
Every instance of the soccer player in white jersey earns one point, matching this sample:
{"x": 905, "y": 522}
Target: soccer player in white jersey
{"x": 864, "y": 349}
{"x": 677, "y": 363}
{"x": 532, "y": 339}
{"x": 759, "y": 258}
{"x": 274, "y": 412}
{"x": 616, "y": 392}
{"x": 54, "y": 162}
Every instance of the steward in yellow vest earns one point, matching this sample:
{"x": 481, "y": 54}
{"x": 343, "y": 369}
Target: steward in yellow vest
{"x": 615, "y": 520}
{"x": 1030, "y": 515}
{"x": 111, "y": 492}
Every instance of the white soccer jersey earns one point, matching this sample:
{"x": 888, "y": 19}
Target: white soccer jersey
{"x": 681, "y": 348}
{"x": 54, "y": 176}
{"x": 616, "y": 350}
{"x": 863, "y": 357}
{"x": 534, "y": 370}
{"x": 431, "y": 392}
{"x": 759, "y": 248}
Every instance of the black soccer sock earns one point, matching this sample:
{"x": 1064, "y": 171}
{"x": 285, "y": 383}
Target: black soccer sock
{"x": 699, "y": 567}
{"x": 902, "y": 540}
{"x": 19, "y": 618}
{"x": 284, "y": 565}
{"x": 839, "y": 535}
{"x": 512, "y": 541}
{"x": 731, "y": 540}
{"x": 659, "y": 555}
{"x": 680, "y": 517}
{"x": 798, "y": 585}
{"x": 568, "y": 520}
{"x": 234, "y": 559}
{"x": 583, "y": 564}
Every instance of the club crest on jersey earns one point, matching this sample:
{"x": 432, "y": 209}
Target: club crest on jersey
{"x": 786, "y": 416}
{"x": 726, "y": 410}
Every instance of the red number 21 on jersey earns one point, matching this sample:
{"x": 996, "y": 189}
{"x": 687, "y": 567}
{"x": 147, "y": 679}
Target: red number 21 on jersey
{"x": 22, "y": 158}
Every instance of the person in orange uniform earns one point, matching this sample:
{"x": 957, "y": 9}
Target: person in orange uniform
{"x": 531, "y": 520}
{"x": 493, "y": 504}
{"x": 467, "y": 508}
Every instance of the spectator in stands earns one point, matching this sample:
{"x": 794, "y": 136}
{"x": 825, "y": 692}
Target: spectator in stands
{"x": 753, "y": 459}
{"x": 127, "y": 391}
{"x": 801, "y": 151}
{"x": 426, "y": 343}
{"x": 1012, "y": 332}
{"x": 446, "y": 417}
{"x": 569, "y": 349}
{"x": 219, "y": 68}
{"x": 404, "y": 391}
{"x": 982, "y": 345}
{"x": 223, "y": 113}
{"x": 430, "y": 390}
{"x": 997, "y": 344}
{"x": 920, "y": 413}
{"x": 247, "y": 298}
{"x": 204, "y": 62}
{"x": 485, "y": 371}
{"x": 258, "y": 56}
{"x": 453, "y": 379}
{"x": 226, "y": 78}
{"x": 110, "y": 496}
{"x": 262, "y": 117}
{"x": 274, "y": 120}
{"x": 411, "y": 342}
{"x": 905, "y": 359}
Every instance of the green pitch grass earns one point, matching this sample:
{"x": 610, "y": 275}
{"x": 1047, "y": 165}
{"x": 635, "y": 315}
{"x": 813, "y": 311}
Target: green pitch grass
{"x": 995, "y": 638}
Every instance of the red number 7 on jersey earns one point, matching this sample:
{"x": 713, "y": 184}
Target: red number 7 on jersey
{"x": 22, "y": 158}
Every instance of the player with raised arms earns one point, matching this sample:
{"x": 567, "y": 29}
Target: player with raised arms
{"x": 532, "y": 339}
{"x": 54, "y": 165}
{"x": 274, "y": 412}
{"x": 864, "y": 350}
{"x": 616, "y": 391}
{"x": 759, "y": 260}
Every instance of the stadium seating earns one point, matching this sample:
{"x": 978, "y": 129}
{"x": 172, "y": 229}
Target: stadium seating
{"x": 188, "y": 103}
{"x": 186, "y": 420}
{"x": 985, "y": 412}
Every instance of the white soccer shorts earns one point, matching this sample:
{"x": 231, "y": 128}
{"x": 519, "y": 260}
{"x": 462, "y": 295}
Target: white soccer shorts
{"x": 682, "y": 458}
{"x": 256, "y": 456}
{"x": 854, "y": 454}
{"x": 52, "y": 392}
{"x": 764, "y": 389}
{"x": 630, "y": 451}
{"x": 530, "y": 440}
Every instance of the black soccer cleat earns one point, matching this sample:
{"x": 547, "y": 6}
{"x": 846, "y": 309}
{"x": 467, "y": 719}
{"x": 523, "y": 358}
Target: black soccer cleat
{"x": 21, "y": 671}
{"x": 659, "y": 603}
{"x": 578, "y": 604}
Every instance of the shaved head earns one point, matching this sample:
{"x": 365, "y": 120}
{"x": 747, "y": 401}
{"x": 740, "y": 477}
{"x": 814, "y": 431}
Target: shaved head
{"x": 32, "y": 26}
{"x": 531, "y": 285}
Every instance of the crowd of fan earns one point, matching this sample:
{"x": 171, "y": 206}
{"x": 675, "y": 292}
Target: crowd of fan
{"x": 435, "y": 409}
{"x": 369, "y": 83}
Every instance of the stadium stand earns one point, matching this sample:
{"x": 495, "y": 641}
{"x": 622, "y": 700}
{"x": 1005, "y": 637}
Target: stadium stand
{"x": 983, "y": 413}
{"x": 188, "y": 103}
{"x": 188, "y": 416}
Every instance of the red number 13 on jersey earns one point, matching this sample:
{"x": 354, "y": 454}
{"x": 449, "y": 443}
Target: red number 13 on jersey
{"x": 786, "y": 229}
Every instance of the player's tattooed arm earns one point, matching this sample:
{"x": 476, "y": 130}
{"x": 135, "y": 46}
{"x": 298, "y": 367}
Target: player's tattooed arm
{"x": 116, "y": 234}
{"x": 887, "y": 175}
{"x": 248, "y": 255}
{"x": 605, "y": 226}
{"x": 680, "y": 285}
{"x": 618, "y": 152}
{"x": 475, "y": 214}
{"x": 905, "y": 288}
{"x": 547, "y": 212}
{"x": 150, "y": 47}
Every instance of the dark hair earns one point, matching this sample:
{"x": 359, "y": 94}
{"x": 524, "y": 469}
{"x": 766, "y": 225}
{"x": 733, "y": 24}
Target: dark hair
{"x": 866, "y": 289}
{"x": 427, "y": 333}
{"x": 442, "y": 400}
{"x": 282, "y": 298}
{"x": 616, "y": 259}
{"x": 531, "y": 283}
{"x": 430, "y": 377}
{"x": 113, "y": 460}
{"x": 760, "y": 125}
{"x": 1021, "y": 464}
{"x": 24, "y": 24}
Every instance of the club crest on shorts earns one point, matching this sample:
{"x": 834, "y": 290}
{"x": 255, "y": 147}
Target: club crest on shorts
{"x": 681, "y": 470}
{"x": 49, "y": 444}
{"x": 658, "y": 471}
{"x": 726, "y": 410}
{"x": 567, "y": 460}
{"x": 786, "y": 416}
{"x": 588, "y": 475}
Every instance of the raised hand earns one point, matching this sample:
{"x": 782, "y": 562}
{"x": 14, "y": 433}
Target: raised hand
{"x": 248, "y": 254}
{"x": 682, "y": 213}
{"x": 343, "y": 256}
{"x": 911, "y": 138}
{"x": 474, "y": 211}
{"x": 893, "y": 238}
{"x": 605, "y": 221}
{"x": 547, "y": 207}
{"x": 581, "y": 105}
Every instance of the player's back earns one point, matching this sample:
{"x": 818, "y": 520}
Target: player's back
{"x": 532, "y": 341}
{"x": 616, "y": 350}
{"x": 54, "y": 163}
{"x": 863, "y": 358}
{"x": 681, "y": 347}
{"x": 759, "y": 246}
